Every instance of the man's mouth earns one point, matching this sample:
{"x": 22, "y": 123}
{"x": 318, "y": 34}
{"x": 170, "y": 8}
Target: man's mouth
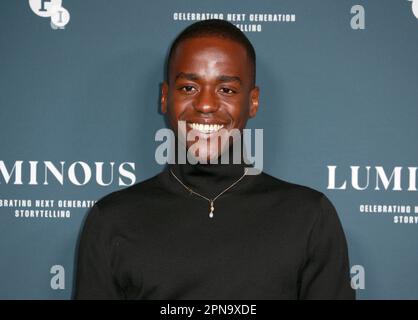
{"x": 205, "y": 128}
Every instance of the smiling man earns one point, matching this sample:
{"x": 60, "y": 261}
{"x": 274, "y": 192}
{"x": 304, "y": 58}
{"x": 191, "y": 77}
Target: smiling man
{"x": 211, "y": 87}
{"x": 263, "y": 238}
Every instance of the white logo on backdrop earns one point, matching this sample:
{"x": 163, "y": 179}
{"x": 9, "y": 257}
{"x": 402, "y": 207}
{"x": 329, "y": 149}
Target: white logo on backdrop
{"x": 358, "y": 21}
{"x": 58, "y": 279}
{"x": 51, "y": 9}
{"x": 414, "y": 6}
{"x": 358, "y": 279}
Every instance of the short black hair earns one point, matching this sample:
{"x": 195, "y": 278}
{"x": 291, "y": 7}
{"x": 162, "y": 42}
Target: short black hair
{"x": 213, "y": 27}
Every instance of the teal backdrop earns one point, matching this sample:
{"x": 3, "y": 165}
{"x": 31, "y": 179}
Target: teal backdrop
{"x": 339, "y": 101}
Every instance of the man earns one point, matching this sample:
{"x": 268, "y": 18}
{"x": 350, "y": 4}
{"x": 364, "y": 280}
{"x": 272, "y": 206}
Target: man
{"x": 205, "y": 230}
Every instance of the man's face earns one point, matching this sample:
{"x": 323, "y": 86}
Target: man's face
{"x": 210, "y": 83}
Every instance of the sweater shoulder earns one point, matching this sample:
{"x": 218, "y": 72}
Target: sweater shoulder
{"x": 289, "y": 190}
{"x": 130, "y": 197}
{"x": 303, "y": 203}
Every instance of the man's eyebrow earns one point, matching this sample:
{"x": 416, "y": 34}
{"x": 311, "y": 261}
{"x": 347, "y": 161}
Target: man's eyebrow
{"x": 229, "y": 79}
{"x": 194, "y": 76}
{"x": 187, "y": 76}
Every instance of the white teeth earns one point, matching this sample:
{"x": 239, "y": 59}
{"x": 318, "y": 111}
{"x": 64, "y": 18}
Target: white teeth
{"x": 206, "y": 128}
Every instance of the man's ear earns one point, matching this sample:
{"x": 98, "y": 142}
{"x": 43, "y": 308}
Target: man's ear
{"x": 254, "y": 101}
{"x": 164, "y": 97}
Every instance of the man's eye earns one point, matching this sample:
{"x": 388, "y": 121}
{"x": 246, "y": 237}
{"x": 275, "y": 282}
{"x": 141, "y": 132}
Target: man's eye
{"x": 188, "y": 89}
{"x": 227, "y": 91}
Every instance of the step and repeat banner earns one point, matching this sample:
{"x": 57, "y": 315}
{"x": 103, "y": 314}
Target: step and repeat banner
{"x": 79, "y": 108}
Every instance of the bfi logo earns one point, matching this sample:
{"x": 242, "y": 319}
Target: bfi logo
{"x": 414, "y": 8}
{"x": 52, "y": 9}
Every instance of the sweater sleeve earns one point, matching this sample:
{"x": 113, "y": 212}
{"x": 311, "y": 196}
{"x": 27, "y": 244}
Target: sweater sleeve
{"x": 94, "y": 279}
{"x": 325, "y": 274}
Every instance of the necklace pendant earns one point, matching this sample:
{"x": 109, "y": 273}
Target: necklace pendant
{"x": 212, "y": 208}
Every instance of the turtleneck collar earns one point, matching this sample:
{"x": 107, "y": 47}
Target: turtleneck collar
{"x": 209, "y": 179}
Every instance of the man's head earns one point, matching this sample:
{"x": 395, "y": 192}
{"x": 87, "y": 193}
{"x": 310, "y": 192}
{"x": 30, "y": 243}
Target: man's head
{"x": 210, "y": 79}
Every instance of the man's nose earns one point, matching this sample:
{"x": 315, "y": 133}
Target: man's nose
{"x": 206, "y": 102}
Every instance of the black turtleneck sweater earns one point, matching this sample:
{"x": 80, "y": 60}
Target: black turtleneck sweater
{"x": 268, "y": 239}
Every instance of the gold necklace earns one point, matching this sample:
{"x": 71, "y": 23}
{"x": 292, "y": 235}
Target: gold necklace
{"x": 211, "y": 201}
